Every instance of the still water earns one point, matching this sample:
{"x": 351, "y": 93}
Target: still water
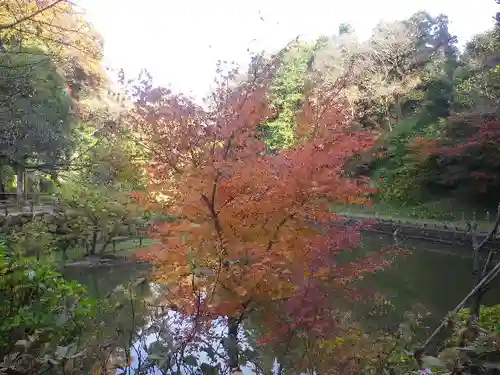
{"x": 434, "y": 275}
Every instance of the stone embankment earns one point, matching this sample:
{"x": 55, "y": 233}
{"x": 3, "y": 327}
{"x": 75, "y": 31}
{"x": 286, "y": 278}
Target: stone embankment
{"x": 452, "y": 234}
{"x": 50, "y": 214}
{"x": 106, "y": 261}
{"x": 446, "y": 233}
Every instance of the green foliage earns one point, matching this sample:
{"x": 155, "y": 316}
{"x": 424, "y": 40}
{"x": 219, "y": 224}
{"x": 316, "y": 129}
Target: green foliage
{"x": 399, "y": 185}
{"x": 34, "y": 109}
{"x": 473, "y": 345}
{"x": 286, "y": 98}
{"x": 489, "y": 319}
{"x": 38, "y": 302}
{"x": 33, "y": 239}
{"x": 103, "y": 214}
{"x": 382, "y": 350}
{"x": 397, "y": 174}
{"x": 406, "y": 173}
{"x": 113, "y": 159}
{"x": 478, "y": 90}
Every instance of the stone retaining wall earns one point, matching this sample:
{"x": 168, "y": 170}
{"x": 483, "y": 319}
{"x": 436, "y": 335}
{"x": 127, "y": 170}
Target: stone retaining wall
{"x": 59, "y": 224}
{"x": 18, "y": 219}
{"x": 442, "y": 233}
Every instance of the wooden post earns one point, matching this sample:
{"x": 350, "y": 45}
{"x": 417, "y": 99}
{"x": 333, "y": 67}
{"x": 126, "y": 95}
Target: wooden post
{"x": 19, "y": 183}
{"x": 25, "y": 184}
{"x": 114, "y": 246}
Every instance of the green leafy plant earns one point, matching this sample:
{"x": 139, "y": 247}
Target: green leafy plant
{"x": 489, "y": 318}
{"x": 39, "y": 306}
{"x": 33, "y": 239}
{"x": 102, "y": 215}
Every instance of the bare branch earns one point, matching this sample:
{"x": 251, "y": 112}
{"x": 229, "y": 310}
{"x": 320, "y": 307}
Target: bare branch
{"x": 480, "y": 286}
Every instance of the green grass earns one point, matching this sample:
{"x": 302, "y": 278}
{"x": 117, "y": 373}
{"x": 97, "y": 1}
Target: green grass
{"x": 124, "y": 248}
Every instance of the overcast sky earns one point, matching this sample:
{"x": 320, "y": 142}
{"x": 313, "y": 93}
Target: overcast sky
{"x": 179, "y": 42}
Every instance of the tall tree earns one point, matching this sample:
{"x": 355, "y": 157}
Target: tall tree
{"x": 50, "y": 58}
{"x": 399, "y": 53}
{"x": 253, "y": 228}
{"x": 58, "y": 29}
{"x": 35, "y": 113}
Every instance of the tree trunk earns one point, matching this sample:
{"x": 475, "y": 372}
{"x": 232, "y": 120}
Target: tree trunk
{"x": 2, "y": 185}
{"x": 389, "y": 123}
{"x": 53, "y": 178}
{"x": 387, "y": 111}
{"x": 397, "y": 105}
{"x": 20, "y": 183}
{"x": 64, "y": 250}
{"x": 476, "y": 299}
{"x": 34, "y": 186}
{"x": 476, "y": 272}
{"x": 93, "y": 246}
{"x": 232, "y": 345}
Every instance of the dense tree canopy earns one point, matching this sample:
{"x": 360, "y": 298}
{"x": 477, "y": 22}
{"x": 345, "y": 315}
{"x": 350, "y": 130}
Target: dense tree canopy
{"x": 50, "y": 59}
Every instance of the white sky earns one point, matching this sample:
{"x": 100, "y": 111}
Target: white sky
{"x": 180, "y": 41}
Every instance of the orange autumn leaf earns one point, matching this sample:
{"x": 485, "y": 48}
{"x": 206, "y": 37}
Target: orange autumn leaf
{"x": 253, "y": 228}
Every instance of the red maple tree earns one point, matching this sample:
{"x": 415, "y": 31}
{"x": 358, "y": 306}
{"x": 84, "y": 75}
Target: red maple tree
{"x": 479, "y": 155}
{"x": 253, "y": 228}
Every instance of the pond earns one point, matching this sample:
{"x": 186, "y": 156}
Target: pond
{"x": 434, "y": 275}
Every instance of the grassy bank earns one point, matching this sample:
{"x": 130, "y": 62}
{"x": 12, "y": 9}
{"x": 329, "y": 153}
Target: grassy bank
{"x": 439, "y": 212}
{"x": 123, "y": 248}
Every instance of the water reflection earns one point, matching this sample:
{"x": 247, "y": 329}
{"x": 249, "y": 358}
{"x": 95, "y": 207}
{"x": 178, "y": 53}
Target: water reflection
{"x": 156, "y": 340}
{"x": 171, "y": 344}
{"x": 434, "y": 275}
